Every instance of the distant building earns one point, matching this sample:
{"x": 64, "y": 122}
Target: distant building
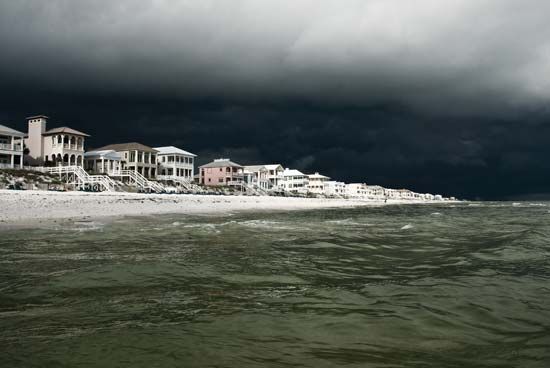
{"x": 375, "y": 192}
{"x": 222, "y": 172}
{"x": 356, "y": 190}
{"x": 257, "y": 176}
{"x": 57, "y": 146}
{"x": 103, "y": 162}
{"x": 137, "y": 157}
{"x": 11, "y": 147}
{"x": 274, "y": 174}
{"x": 316, "y": 183}
{"x": 175, "y": 163}
{"x": 294, "y": 181}
{"x": 335, "y": 188}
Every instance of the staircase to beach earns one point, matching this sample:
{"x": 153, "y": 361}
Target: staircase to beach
{"x": 139, "y": 180}
{"x": 77, "y": 176}
{"x": 185, "y": 183}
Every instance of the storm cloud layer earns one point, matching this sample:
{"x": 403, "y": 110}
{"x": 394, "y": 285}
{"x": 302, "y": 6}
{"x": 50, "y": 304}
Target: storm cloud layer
{"x": 444, "y": 96}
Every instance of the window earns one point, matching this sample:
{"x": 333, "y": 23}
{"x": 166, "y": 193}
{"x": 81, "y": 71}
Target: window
{"x": 220, "y": 180}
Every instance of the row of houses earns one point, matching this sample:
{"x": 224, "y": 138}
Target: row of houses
{"x": 65, "y": 146}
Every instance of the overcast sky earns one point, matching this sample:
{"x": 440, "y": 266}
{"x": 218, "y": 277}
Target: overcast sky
{"x": 442, "y": 96}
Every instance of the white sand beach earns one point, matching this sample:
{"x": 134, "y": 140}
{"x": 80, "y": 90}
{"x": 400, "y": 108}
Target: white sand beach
{"x": 24, "y": 207}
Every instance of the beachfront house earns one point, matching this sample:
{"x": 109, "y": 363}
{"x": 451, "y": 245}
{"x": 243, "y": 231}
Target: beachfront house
{"x": 11, "y": 148}
{"x": 356, "y": 190}
{"x": 137, "y": 157}
{"x": 102, "y": 162}
{"x": 334, "y": 188}
{"x": 175, "y": 164}
{"x": 294, "y": 181}
{"x": 274, "y": 174}
{"x": 54, "y": 147}
{"x": 222, "y": 172}
{"x": 375, "y": 192}
{"x": 257, "y": 176}
{"x": 316, "y": 183}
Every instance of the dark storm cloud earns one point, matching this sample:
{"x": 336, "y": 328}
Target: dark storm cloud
{"x": 467, "y": 56}
{"x": 439, "y": 96}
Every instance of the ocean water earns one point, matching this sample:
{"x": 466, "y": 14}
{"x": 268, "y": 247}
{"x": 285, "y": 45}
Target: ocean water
{"x": 464, "y": 285}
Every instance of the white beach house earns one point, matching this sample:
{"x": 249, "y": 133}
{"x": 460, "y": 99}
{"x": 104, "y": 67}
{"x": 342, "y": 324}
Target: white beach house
{"x": 376, "y": 192}
{"x": 356, "y": 190}
{"x": 294, "y": 181}
{"x": 103, "y": 162}
{"x": 57, "y": 146}
{"x": 11, "y": 148}
{"x": 175, "y": 164}
{"x": 316, "y": 183}
{"x": 257, "y": 176}
{"x": 274, "y": 174}
{"x": 335, "y": 188}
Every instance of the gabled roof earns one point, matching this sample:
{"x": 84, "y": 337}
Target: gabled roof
{"x": 108, "y": 154}
{"x": 293, "y": 172}
{"x": 171, "y": 150}
{"x": 37, "y": 116}
{"x": 9, "y": 131}
{"x": 222, "y": 163}
{"x": 132, "y": 146}
{"x": 317, "y": 176}
{"x": 66, "y": 130}
{"x": 254, "y": 168}
{"x": 274, "y": 167}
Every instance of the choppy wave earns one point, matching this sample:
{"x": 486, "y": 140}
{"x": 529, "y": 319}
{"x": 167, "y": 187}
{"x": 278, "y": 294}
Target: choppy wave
{"x": 428, "y": 286}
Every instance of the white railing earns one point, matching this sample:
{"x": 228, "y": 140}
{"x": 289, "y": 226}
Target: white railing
{"x": 80, "y": 177}
{"x": 184, "y": 182}
{"x": 139, "y": 180}
{"x": 9, "y": 147}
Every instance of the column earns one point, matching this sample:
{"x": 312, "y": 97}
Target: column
{"x": 102, "y": 165}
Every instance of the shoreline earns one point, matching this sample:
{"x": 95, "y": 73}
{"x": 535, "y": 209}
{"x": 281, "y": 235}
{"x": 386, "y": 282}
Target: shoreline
{"x": 32, "y": 208}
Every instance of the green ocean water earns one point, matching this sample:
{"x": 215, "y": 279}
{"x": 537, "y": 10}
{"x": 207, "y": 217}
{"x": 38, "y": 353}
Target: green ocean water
{"x": 453, "y": 285}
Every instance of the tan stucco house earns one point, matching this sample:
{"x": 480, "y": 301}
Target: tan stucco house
{"x": 57, "y": 146}
{"x": 136, "y": 156}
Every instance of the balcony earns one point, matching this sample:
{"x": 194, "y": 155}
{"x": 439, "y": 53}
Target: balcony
{"x": 67, "y": 146}
{"x": 8, "y": 147}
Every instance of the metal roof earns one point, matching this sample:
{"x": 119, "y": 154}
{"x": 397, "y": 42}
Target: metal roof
{"x": 222, "y": 163}
{"x": 171, "y": 150}
{"x": 9, "y": 131}
{"x": 64, "y": 130}
{"x": 108, "y": 154}
{"x": 132, "y": 146}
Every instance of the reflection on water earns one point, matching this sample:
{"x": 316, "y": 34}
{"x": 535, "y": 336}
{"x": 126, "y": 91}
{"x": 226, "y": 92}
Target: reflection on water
{"x": 401, "y": 286}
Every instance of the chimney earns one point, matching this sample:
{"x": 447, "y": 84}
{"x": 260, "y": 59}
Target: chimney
{"x": 37, "y": 126}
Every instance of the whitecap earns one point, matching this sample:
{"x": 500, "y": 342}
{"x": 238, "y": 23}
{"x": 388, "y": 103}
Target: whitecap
{"x": 407, "y": 227}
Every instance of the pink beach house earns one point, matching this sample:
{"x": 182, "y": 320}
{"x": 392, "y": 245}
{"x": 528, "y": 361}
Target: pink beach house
{"x": 221, "y": 172}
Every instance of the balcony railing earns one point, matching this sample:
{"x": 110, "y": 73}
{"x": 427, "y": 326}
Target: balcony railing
{"x": 8, "y": 147}
{"x": 67, "y": 146}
